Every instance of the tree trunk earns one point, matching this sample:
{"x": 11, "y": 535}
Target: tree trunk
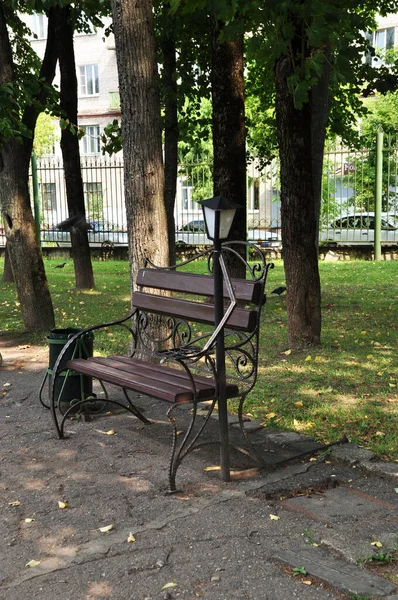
{"x": 8, "y": 276}
{"x": 142, "y": 133}
{"x": 229, "y": 131}
{"x": 169, "y": 85}
{"x": 26, "y": 259}
{"x": 299, "y": 212}
{"x": 25, "y": 255}
{"x": 84, "y": 276}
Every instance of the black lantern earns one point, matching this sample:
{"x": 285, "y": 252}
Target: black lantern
{"x": 218, "y": 214}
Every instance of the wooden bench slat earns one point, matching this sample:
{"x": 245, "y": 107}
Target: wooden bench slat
{"x": 203, "y": 285}
{"x": 241, "y": 318}
{"x": 142, "y": 364}
{"x": 165, "y": 384}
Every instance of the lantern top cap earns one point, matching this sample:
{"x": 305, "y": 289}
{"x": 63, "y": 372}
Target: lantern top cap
{"x": 220, "y": 203}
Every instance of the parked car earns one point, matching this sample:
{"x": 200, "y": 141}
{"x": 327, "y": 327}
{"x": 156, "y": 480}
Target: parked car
{"x": 100, "y": 234}
{"x": 194, "y": 233}
{"x": 358, "y": 228}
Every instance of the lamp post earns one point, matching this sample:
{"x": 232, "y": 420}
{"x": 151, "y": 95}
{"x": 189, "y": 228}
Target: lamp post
{"x": 218, "y": 214}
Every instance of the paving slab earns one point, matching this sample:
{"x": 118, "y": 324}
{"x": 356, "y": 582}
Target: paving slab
{"x": 343, "y": 503}
{"x": 343, "y": 576}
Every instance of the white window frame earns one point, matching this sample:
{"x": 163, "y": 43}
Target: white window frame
{"x": 379, "y": 41}
{"x": 90, "y": 143}
{"x": 39, "y": 25}
{"x": 88, "y": 80}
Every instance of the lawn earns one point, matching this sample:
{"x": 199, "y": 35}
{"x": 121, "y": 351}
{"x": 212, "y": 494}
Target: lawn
{"x": 347, "y": 386}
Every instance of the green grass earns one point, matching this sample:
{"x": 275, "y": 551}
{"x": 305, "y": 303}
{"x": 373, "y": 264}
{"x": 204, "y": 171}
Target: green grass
{"x": 347, "y": 386}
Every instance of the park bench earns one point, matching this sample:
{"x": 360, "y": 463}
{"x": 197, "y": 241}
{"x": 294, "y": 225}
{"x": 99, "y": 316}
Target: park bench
{"x": 173, "y": 346}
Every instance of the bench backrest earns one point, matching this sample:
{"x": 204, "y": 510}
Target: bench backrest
{"x": 247, "y": 292}
{"x": 185, "y": 300}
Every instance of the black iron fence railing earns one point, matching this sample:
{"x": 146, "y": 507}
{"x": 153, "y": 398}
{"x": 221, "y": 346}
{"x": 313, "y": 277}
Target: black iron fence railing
{"x": 359, "y": 199}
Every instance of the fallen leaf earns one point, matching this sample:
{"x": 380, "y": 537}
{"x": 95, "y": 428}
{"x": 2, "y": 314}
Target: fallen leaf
{"x": 62, "y": 504}
{"x": 274, "y": 517}
{"x": 299, "y": 404}
{"x": 6, "y": 384}
{"x": 131, "y": 538}
{"x": 308, "y": 359}
{"x": 287, "y": 352}
{"x": 396, "y": 490}
{"x": 270, "y": 415}
{"x": 313, "y": 459}
{"x": 318, "y": 357}
{"x": 110, "y": 432}
{"x": 213, "y": 468}
{"x": 169, "y": 585}
{"x": 106, "y": 528}
{"x": 307, "y": 582}
{"x": 14, "y": 503}
{"x": 32, "y": 563}
{"x": 29, "y": 520}
{"x": 377, "y": 544}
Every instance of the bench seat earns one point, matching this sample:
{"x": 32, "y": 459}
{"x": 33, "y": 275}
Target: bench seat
{"x": 165, "y": 383}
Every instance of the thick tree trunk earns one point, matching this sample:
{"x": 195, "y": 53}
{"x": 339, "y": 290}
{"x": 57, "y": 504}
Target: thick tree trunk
{"x": 26, "y": 259}
{"x": 229, "y": 130}
{"x": 169, "y": 84}
{"x": 142, "y": 133}
{"x": 299, "y": 212}
{"x": 84, "y": 276}
{"x": 27, "y": 263}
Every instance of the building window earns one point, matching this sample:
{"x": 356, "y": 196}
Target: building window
{"x": 94, "y": 200}
{"x": 186, "y": 195}
{"x": 381, "y": 40}
{"x": 254, "y": 195}
{"x": 90, "y": 142}
{"x": 48, "y": 193}
{"x": 384, "y": 39}
{"x": 39, "y": 26}
{"x": 88, "y": 80}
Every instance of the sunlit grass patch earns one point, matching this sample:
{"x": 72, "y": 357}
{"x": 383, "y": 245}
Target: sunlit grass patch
{"x": 348, "y": 386}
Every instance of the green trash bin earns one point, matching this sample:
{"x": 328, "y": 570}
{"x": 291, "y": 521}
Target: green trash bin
{"x": 70, "y": 386}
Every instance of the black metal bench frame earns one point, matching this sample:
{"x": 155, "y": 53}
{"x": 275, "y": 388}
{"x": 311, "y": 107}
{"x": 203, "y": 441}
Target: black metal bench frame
{"x": 180, "y": 366}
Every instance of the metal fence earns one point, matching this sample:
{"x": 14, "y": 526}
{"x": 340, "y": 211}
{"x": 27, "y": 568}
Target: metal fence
{"x": 359, "y": 198}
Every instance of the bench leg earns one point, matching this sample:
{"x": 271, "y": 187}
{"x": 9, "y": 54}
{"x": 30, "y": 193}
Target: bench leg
{"x": 188, "y": 443}
{"x": 135, "y": 410}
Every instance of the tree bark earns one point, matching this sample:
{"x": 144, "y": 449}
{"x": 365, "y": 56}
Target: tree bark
{"x": 300, "y": 198}
{"x": 25, "y": 255}
{"x": 8, "y": 276}
{"x": 27, "y": 263}
{"x": 229, "y": 131}
{"x": 169, "y": 85}
{"x": 142, "y": 133}
{"x": 84, "y": 276}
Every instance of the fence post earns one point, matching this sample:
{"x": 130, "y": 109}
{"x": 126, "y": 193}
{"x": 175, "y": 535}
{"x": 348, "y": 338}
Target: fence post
{"x": 36, "y": 202}
{"x": 379, "y": 189}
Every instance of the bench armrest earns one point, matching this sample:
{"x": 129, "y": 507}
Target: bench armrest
{"x": 59, "y": 366}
